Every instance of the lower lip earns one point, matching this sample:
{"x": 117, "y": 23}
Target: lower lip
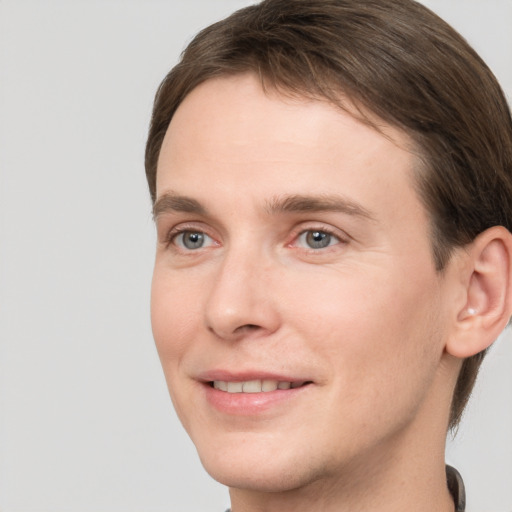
{"x": 250, "y": 404}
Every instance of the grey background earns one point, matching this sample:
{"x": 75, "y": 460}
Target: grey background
{"x": 85, "y": 421}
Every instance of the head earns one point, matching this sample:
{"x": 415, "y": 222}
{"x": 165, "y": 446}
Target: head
{"x": 395, "y": 62}
{"x": 396, "y": 71}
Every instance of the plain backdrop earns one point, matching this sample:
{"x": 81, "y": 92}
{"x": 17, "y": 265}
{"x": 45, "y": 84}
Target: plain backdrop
{"x": 85, "y": 421}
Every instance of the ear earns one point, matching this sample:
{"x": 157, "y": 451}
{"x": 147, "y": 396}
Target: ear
{"x": 488, "y": 293}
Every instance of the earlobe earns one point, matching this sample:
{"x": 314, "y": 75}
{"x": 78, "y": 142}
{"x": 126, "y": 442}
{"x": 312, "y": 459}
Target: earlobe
{"x": 488, "y": 303}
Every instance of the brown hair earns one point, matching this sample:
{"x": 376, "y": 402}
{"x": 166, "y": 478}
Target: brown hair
{"x": 395, "y": 59}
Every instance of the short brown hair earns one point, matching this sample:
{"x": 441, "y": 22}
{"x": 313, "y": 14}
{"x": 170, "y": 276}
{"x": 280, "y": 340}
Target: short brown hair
{"x": 395, "y": 59}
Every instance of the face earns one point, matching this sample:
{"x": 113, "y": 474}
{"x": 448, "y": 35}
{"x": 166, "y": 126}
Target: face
{"x": 295, "y": 305}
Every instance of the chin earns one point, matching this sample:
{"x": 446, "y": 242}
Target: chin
{"x": 263, "y": 467}
{"x": 261, "y": 478}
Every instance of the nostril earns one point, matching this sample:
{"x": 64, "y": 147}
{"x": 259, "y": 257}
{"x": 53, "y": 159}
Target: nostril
{"x": 247, "y": 327}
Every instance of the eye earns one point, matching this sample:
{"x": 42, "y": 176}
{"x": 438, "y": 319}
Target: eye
{"x": 317, "y": 239}
{"x": 191, "y": 240}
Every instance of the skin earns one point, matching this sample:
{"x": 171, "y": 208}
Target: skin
{"x": 364, "y": 319}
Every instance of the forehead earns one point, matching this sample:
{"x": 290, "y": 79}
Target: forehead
{"x": 240, "y": 101}
{"x": 232, "y": 135}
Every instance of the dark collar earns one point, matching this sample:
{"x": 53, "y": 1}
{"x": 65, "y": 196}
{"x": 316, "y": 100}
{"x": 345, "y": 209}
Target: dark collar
{"x": 456, "y": 487}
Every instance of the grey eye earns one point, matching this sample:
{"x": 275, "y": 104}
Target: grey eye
{"x": 191, "y": 240}
{"x": 317, "y": 239}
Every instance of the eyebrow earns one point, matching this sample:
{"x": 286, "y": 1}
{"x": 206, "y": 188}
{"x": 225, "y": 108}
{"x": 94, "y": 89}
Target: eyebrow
{"x": 172, "y": 202}
{"x": 322, "y": 203}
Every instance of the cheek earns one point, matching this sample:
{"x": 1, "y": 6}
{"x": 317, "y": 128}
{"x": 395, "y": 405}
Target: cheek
{"x": 175, "y": 318}
{"x": 373, "y": 324}
{"x": 175, "y": 315}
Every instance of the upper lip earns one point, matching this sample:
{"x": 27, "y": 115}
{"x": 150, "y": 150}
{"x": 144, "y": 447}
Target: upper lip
{"x": 237, "y": 376}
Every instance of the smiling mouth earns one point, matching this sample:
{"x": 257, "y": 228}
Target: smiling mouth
{"x": 255, "y": 386}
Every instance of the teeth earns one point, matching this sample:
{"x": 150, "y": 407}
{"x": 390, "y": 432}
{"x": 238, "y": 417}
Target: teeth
{"x": 220, "y": 384}
{"x": 235, "y": 387}
{"x": 254, "y": 386}
{"x": 269, "y": 385}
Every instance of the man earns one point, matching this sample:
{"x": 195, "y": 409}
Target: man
{"x": 332, "y": 184}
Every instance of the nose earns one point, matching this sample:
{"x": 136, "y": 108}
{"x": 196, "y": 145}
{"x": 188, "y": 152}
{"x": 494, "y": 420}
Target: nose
{"x": 242, "y": 302}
